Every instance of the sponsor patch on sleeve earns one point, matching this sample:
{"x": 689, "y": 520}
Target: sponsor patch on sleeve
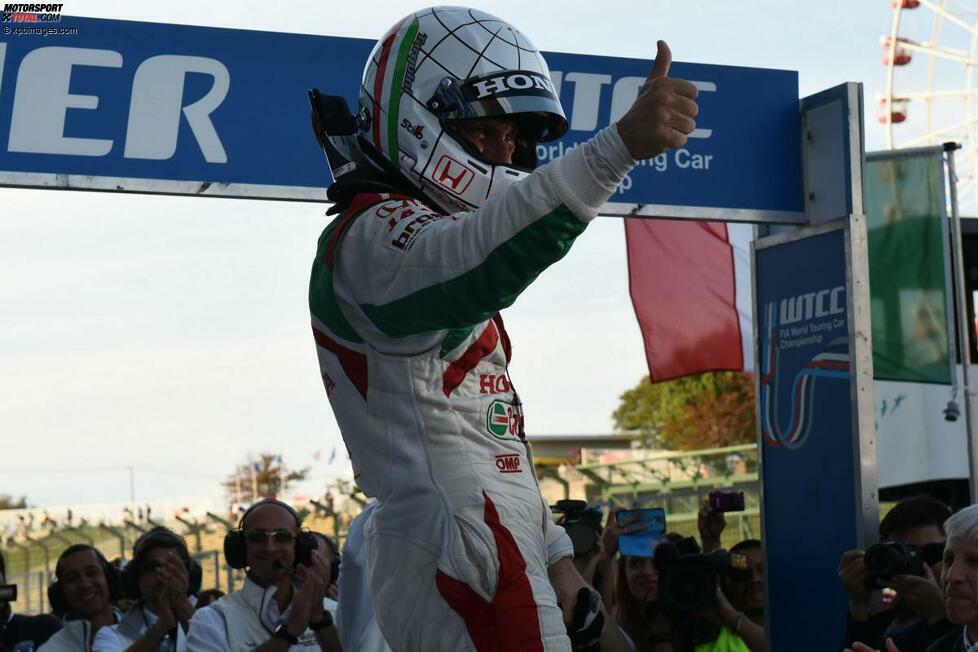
{"x": 406, "y": 220}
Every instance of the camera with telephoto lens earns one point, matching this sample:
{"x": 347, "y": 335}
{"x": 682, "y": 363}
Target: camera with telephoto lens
{"x": 889, "y": 558}
{"x": 688, "y": 578}
{"x": 688, "y": 586}
{"x": 582, "y": 524}
{"x": 8, "y": 593}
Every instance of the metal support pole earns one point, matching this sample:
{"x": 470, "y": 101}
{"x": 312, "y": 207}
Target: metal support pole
{"x": 118, "y": 535}
{"x": 964, "y": 343}
{"x": 132, "y": 488}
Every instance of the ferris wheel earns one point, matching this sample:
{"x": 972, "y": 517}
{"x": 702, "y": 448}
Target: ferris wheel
{"x": 931, "y": 56}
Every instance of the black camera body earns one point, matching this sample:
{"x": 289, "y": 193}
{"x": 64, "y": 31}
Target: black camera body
{"x": 8, "y": 593}
{"x": 889, "y": 558}
{"x": 582, "y": 524}
{"x": 688, "y": 585}
{"x": 688, "y": 578}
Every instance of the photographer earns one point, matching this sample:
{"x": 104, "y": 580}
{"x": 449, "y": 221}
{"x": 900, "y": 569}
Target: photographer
{"x": 912, "y": 530}
{"x": 691, "y": 611}
{"x": 747, "y": 594}
{"x": 959, "y": 579}
{"x": 583, "y": 526}
{"x": 22, "y": 632}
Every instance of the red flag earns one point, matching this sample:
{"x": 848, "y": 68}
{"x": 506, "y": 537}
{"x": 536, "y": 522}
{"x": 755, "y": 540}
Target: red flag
{"x": 691, "y": 289}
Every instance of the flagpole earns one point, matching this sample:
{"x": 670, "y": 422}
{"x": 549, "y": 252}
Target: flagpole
{"x": 964, "y": 344}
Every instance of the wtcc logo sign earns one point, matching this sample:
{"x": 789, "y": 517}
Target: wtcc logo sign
{"x": 31, "y": 13}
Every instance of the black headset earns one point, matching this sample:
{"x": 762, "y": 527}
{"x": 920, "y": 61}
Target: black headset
{"x": 235, "y": 551}
{"x": 334, "y": 568}
{"x": 56, "y": 596}
{"x": 159, "y": 537}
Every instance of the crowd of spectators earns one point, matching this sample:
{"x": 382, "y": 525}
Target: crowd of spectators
{"x": 911, "y": 592}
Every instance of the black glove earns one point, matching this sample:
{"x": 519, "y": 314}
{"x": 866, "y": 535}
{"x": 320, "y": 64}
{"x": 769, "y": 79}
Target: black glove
{"x": 585, "y": 629}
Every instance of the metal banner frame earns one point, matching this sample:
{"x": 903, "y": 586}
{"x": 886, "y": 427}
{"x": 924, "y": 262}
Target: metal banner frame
{"x": 832, "y": 131}
{"x": 209, "y": 119}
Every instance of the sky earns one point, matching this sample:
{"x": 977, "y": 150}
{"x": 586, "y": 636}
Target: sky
{"x": 172, "y": 335}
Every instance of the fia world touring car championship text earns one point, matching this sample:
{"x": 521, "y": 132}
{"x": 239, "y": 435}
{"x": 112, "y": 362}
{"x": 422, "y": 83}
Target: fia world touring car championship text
{"x": 681, "y": 159}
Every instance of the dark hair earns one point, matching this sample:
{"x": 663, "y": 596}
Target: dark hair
{"x": 208, "y": 596}
{"x": 159, "y": 537}
{"x": 627, "y": 611}
{"x": 745, "y": 545}
{"x": 916, "y": 511}
{"x": 673, "y": 537}
{"x": 76, "y": 548}
{"x": 335, "y": 549}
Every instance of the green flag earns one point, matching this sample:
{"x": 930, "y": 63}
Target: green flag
{"x": 908, "y": 268}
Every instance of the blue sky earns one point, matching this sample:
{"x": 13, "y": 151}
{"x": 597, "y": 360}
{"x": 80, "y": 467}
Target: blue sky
{"x": 171, "y": 334}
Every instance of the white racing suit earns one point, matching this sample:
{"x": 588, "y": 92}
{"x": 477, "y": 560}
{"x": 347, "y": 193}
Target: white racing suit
{"x": 414, "y": 356}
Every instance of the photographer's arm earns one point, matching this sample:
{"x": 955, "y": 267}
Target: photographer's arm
{"x": 737, "y": 622}
{"x": 710, "y": 525}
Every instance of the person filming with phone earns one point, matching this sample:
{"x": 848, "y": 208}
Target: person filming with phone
{"x": 281, "y": 606}
{"x": 671, "y": 596}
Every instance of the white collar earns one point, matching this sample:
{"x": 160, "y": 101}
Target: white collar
{"x": 263, "y": 601}
{"x": 968, "y": 645}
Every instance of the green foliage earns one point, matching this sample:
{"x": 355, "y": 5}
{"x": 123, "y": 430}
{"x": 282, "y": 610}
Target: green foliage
{"x": 711, "y": 410}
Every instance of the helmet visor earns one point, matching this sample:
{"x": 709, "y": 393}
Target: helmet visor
{"x": 527, "y": 97}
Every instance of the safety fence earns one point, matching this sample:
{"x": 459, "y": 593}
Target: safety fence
{"x": 31, "y": 562}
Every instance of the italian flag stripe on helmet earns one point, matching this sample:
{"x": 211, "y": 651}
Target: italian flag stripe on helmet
{"x": 385, "y": 52}
{"x": 397, "y": 82}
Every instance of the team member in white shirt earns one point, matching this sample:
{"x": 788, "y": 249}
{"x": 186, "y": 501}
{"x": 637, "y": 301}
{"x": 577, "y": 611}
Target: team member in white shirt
{"x": 281, "y": 605}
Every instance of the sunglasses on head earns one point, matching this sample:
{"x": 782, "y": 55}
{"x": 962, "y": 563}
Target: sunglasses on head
{"x": 278, "y": 536}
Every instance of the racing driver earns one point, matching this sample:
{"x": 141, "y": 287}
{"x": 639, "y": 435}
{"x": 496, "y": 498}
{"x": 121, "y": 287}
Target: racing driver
{"x": 442, "y": 221}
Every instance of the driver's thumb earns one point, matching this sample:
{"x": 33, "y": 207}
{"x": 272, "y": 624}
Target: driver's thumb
{"x": 663, "y": 59}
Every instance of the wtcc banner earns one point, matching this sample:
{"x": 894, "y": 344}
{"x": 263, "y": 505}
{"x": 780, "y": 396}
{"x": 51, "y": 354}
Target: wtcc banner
{"x": 809, "y": 470}
{"x": 146, "y": 107}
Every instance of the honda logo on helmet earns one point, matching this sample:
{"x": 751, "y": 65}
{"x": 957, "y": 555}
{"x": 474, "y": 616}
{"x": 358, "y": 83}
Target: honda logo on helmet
{"x": 452, "y": 175}
{"x": 523, "y": 82}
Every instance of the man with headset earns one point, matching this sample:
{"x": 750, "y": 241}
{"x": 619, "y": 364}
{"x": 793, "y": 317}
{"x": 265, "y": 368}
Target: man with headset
{"x": 161, "y": 576}
{"x": 280, "y": 606}
{"x": 82, "y": 595}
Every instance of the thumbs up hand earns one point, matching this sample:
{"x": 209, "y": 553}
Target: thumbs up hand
{"x": 662, "y": 115}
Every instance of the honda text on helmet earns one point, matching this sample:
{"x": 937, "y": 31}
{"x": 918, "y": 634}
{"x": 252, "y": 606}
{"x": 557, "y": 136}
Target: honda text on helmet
{"x": 438, "y": 67}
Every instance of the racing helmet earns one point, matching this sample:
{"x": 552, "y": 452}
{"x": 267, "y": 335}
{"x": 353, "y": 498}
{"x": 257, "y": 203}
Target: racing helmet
{"x": 441, "y": 65}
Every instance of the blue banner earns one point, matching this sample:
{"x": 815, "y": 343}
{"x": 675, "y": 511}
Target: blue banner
{"x": 222, "y": 111}
{"x": 808, "y": 465}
